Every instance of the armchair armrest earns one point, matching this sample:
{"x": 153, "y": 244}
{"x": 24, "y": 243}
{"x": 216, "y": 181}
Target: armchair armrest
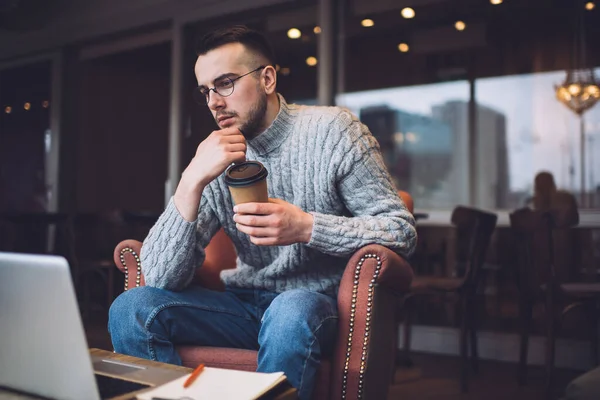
{"x": 220, "y": 254}
{"x": 372, "y": 284}
{"x": 127, "y": 259}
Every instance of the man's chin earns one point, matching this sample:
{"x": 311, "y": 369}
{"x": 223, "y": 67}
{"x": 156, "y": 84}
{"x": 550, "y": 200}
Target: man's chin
{"x": 227, "y": 123}
{"x": 244, "y": 130}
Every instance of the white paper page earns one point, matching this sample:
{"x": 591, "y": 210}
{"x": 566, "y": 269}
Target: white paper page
{"x": 217, "y": 383}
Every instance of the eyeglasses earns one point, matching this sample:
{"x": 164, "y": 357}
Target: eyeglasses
{"x": 223, "y": 87}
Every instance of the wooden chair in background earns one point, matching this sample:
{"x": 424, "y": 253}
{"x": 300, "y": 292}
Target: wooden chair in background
{"x": 539, "y": 281}
{"x": 474, "y": 230}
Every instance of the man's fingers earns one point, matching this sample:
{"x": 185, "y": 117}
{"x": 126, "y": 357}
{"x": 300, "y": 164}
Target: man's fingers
{"x": 266, "y": 241}
{"x": 256, "y": 232}
{"x": 255, "y": 208}
{"x": 235, "y": 147}
{"x": 234, "y": 139}
{"x": 238, "y": 156}
{"x": 252, "y": 220}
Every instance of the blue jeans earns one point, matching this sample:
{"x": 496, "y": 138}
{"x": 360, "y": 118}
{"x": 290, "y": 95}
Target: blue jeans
{"x": 292, "y": 331}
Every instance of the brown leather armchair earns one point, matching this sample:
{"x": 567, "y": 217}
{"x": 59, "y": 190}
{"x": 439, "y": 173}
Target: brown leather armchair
{"x": 363, "y": 360}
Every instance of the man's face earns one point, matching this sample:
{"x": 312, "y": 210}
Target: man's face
{"x": 246, "y": 107}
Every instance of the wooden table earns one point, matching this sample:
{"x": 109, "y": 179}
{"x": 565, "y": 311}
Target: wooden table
{"x": 109, "y": 355}
{"x": 286, "y": 393}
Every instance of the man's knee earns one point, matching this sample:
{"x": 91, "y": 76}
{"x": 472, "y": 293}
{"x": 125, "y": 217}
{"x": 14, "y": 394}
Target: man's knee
{"x": 132, "y": 304}
{"x": 302, "y": 306}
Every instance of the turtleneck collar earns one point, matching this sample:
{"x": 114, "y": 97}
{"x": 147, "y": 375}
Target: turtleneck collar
{"x": 275, "y": 134}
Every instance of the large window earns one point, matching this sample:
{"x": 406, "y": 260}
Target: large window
{"x": 524, "y": 129}
{"x": 521, "y": 129}
{"x": 423, "y": 134}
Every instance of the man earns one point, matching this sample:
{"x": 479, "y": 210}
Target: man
{"x": 330, "y": 195}
{"x": 584, "y": 387}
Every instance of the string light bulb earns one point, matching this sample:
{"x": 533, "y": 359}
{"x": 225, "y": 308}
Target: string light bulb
{"x": 460, "y": 26}
{"x": 496, "y": 2}
{"x": 311, "y": 61}
{"x": 367, "y": 23}
{"x": 408, "y": 13}
{"x": 590, "y": 5}
{"x": 403, "y": 47}
{"x": 27, "y": 106}
{"x": 317, "y": 30}
{"x": 294, "y": 33}
{"x": 8, "y": 109}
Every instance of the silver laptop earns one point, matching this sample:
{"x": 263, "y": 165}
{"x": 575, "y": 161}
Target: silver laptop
{"x": 43, "y": 348}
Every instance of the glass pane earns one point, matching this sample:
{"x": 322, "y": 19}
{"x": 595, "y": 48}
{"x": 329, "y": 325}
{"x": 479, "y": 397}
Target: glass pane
{"x": 423, "y": 134}
{"x": 532, "y": 132}
{"x": 24, "y": 132}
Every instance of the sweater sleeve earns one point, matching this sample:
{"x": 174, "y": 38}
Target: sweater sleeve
{"x": 174, "y": 247}
{"x": 378, "y": 215}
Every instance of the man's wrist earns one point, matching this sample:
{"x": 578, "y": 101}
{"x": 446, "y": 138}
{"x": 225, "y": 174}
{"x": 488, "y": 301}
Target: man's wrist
{"x": 310, "y": 221}
{"x": 188, "y": 190}
{"x": 187, "y": 199}
{"x": 191, "y": 184}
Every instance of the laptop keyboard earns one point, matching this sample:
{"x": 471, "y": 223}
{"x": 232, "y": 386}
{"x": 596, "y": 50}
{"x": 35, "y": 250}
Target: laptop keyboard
{"x": 112, "y": 387}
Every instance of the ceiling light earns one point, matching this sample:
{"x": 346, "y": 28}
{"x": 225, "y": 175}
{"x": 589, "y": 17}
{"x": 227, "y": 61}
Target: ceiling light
{"x": 403, "y": 47}
{"x": 317, "y": 30}
{"x": 460, "y": 25}
{"x": 294, "y": 33}
{"x": 590, "y": 5}
{"x": 496, "y": 2}
{"x": 408, "y": 13}
{"x": 311, "y": 61}
{"x": 367, "y": 23}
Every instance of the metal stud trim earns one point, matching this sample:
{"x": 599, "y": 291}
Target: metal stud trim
{"x": 365, "y": 346}
{"x": 139, "y": 266}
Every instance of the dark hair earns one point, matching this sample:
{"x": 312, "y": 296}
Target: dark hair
{"x": 251, "y": 39}
{"x": 544, "y": 190}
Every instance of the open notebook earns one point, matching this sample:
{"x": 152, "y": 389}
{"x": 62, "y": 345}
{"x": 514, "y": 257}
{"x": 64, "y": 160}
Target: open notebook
{"x": 217, "y": 383}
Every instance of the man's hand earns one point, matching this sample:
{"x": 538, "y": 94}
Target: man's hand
{"x": 276, "y": 223}
{"x": 213, "y": 156}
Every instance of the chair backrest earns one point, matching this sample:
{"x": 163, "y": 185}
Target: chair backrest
{"x": 408, "y": 200}
{"x": 535, "y": 234}
{"x": 474, "y": 232}
{"x": 220, "y": 255}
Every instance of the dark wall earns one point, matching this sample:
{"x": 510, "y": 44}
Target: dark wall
{"x": 121, "y": 136}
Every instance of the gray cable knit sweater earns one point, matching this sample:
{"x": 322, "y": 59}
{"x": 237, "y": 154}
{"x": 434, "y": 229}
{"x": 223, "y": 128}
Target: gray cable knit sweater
{"x": 323, "y": 160}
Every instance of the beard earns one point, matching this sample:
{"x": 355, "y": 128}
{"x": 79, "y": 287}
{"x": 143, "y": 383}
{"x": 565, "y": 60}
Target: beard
{"x": 253, "y": 126}
{"x": 256, "y": 116}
